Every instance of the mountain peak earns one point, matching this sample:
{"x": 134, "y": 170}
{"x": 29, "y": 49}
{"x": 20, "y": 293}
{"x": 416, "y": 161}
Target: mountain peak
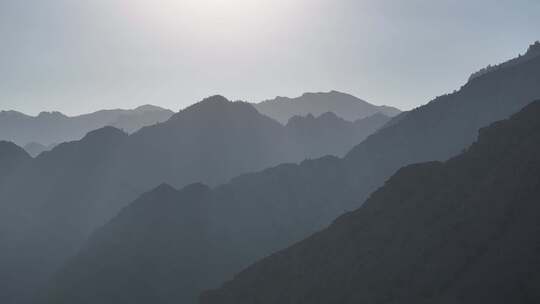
{"x": 53, "y": 114}
{"x": 105, "y": 132}
{"x": 215, "y": 99}
{"x": 148, "y": 108}
{"x": 216, "y": 107}
{"x": 342, "y": 104}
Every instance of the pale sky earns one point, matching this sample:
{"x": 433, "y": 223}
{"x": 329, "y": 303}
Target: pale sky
{"x": 78, "y": 56}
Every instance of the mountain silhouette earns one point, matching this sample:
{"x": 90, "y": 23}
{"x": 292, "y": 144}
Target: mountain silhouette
{"x": 339, "y": 135}
{"x": 462, "y": 231}
{"x": 35, "y": 149}
{"x": 64, "y": 194}
{"x": 532, "y": 52}
{"x": 11, "y": 158}
{"x": 343, "y": 105}
{"x": 156, "y": 227}
{"x": 49, "y": 128}
{"x": 259, "y": 213}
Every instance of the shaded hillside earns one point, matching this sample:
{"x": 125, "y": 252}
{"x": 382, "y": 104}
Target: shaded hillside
{"x": 463, "y": 231}
{"x": 54, "y": 127}
{"x": 61, "y": 196}
{"x": 343, "y": 105}
{"x": 155, "y": 228}
{"x": 12, "y": 157}
{"x": 445, "y": 126}
{"x": 259, "y": 213}
{"x": 228, "y": 229}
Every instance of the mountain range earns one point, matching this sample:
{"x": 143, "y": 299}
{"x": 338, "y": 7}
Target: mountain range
{"x": 461, "y": 231}
{"x": 343, "y": 105}
{"x": 53, "y": 202}
{"x": 42, "y": 132}
{"x": 256, "y": 214}
{"x": 50, "y": 128}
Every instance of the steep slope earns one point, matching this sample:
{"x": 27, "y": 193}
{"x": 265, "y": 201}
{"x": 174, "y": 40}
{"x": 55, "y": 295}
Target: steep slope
{"x": 235, "y": 234}
{"x": 259, "y": 213}
{"x": 463, "y": 231}
{"x": 54, "y": 127}
{"x": 343, "y": 105}
{"x": 445, "y": 126}
{"x": 156, "y": 228}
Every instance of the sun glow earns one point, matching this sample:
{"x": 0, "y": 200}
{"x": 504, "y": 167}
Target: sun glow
{"x": 210, "y": 17}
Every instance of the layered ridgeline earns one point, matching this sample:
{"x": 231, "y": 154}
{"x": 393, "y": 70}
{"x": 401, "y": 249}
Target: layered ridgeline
{"x": 257, "y": 214}
{"x": 54, "y": 127}
{"x": 462, "y": 231}
{"x": 35, "y": 148}
{"x": 51, "y": 205}
{"x": 343, "y": 105}
{"x": 329, "y": 134}
{"x": 532, "y": 52}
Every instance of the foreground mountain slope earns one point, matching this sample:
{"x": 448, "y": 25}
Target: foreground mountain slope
{"x": 445, "y": 126}
{"x": 259, "y": 213}
{"x": 463, "y": 231}
{"x": 343, "y": 105}
{"x": 54, "y": 127}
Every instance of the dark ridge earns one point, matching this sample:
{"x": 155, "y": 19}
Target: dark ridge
{"x": 462, "y": 231}
{"x": 343, "y": 105}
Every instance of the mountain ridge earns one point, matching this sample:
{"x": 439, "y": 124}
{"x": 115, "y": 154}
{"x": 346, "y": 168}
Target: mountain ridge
{"x": 54, "y": 127}
{"x": 452, "y": 232}
{"x": 343, "y": 105}
{"x": 262, "y": 212}
{"x": 80, "y": 185}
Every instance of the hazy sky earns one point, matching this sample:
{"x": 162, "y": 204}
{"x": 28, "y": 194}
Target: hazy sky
{"x": 81, "y": 55}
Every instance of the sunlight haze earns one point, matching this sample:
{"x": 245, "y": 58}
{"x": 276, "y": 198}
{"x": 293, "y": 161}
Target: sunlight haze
{"x": 80, "y": 56}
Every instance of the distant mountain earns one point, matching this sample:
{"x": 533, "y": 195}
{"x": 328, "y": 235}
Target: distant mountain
{"x": 259, "y": 213}
{"x": 54, "y": 127}
{"x": 34, "y": 148}
{"x": 462, "y": 231}
{"x": 329, "y": 134}
{"x": 343, "y": 105}
{"x": 53, "y": 204}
